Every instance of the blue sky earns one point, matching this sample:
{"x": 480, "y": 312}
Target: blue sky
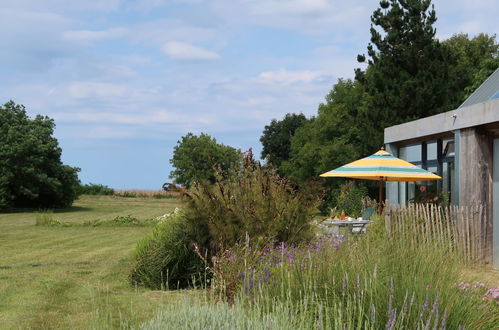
{"x": 124, "y": 80}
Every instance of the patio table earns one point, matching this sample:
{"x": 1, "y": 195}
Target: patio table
{"x": 350, "y": 224}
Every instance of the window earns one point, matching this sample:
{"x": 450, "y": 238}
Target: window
{"x": 411, "y": 153}
{"x": 436, "y": 156}
{"x": 431, "y": 150}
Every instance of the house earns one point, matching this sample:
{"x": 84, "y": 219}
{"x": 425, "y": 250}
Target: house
{"x": 462, "y": 146}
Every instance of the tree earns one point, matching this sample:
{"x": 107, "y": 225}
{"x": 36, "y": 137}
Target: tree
{"x": 276, "y": 138}
{"x": 473, "y": 60}
{"x": 333, "y": 138}
{"x": 408, "y": 68}
{"x": 31, "y": 171}
{"x": 194, "y": 158}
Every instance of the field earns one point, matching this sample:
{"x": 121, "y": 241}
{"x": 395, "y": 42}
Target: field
{"x": 76, "y": 277}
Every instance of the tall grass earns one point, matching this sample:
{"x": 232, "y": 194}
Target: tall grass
{"x": 46, "y": 219}
{"x": 134, "y": 193}
{"x": 371, "y": 282}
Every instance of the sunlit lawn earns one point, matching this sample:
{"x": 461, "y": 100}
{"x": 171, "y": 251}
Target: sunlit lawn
{"x": 75, "y": 277}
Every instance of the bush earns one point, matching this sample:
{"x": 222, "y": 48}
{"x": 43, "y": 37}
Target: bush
{"x": 94, "y": 189}
{"x": 350, "y": 199}
{"x": 164, "y": 259}
{"x": 253, "y": 202}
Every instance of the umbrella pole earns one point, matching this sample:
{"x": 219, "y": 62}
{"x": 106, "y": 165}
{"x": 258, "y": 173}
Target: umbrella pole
{"x": 381, "y": 196}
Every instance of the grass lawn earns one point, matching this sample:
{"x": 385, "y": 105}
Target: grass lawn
{"x": 76, "y": 277}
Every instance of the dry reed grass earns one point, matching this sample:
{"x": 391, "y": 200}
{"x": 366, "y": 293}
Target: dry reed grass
{"x": 147, "y": 193}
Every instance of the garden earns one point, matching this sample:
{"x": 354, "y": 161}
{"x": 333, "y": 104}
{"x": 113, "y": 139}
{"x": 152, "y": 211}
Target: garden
{"x": 248, "y": 241}
{"x": 244, "y": 250}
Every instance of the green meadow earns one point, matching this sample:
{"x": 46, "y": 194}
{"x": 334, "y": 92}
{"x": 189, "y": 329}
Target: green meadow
{"x": 76, "y": 276}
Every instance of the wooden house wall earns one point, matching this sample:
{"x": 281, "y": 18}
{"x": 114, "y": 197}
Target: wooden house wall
{"x": 476, "y": 175}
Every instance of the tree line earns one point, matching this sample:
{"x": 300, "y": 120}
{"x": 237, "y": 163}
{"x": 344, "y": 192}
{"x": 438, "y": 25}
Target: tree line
{"x": 409, "y": 74}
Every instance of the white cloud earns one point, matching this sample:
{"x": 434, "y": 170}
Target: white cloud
{"x": 154, "y": 117}
{"x": 304, "y": 16}
{"x": 79, "y": 90}
{"x": 293, "y": 7}
{"x": 91, "y": 36}
{"x": 182, "y": 51}
{"x": 74, "y": 5}
{"x": 283, "y": 76}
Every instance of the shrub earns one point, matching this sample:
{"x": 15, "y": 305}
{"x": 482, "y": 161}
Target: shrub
{"x": 94, "y": 189}
{"x": 164, "y": 259}
{"x": 350, "y": 199}
{"x": 253, "y": 202}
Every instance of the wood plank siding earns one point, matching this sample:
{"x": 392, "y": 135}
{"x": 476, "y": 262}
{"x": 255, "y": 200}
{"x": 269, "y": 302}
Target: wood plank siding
{"x": 476, "y": 177}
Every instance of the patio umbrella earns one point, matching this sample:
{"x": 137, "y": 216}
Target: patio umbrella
{"x": 382, "y": 166}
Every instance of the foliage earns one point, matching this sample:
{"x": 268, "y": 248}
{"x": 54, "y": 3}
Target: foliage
{"x": 276, "y": 138}
{"x": 429, "y": 196}
{"x": 164, "y": 258}
{"x": 94, "y": 189}
{"x": 31, "y": 171}
{"x": 46, "y": 219}
{"x": 254, "y": 202}
{"x": 350, "y": 198}
{"x": 473, "y": 60}
{"x": 194, "y": 157}
{"x": 220, "y": 316}
{"x": 376, "y": 281}
{"x": 408, "y": 74}
{"x": 335, "y": 137}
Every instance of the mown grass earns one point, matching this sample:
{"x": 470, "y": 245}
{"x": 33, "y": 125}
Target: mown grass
{"x": 76, "y": 277}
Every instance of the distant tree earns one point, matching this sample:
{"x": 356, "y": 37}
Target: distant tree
{"x": 276, "y": 138}
{"x": 194, "y": 157}
{"x": 408, "y": 68}
{"x": 473, "y": 60}
{"x": 31, "y": 171}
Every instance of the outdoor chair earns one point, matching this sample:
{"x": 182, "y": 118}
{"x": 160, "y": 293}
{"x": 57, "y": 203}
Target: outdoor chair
{"x": 366, "y": 215}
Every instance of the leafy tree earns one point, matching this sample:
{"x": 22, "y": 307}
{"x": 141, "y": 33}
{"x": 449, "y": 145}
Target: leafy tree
{"x": 333, "y": 138}
{"x": 276, "y": 138}
{"x": 408, "y": 73}
{"x": 194, "y": 157}
{"x": 31, "y": 171}
{"x": 473, "y": 60}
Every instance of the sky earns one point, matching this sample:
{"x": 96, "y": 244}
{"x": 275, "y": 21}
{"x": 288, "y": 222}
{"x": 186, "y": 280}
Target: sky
{"x": 125, "y": 80}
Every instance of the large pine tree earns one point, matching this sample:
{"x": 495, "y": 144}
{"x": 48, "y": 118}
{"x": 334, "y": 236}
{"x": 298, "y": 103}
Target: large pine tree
{"x": 407, "y": 75}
